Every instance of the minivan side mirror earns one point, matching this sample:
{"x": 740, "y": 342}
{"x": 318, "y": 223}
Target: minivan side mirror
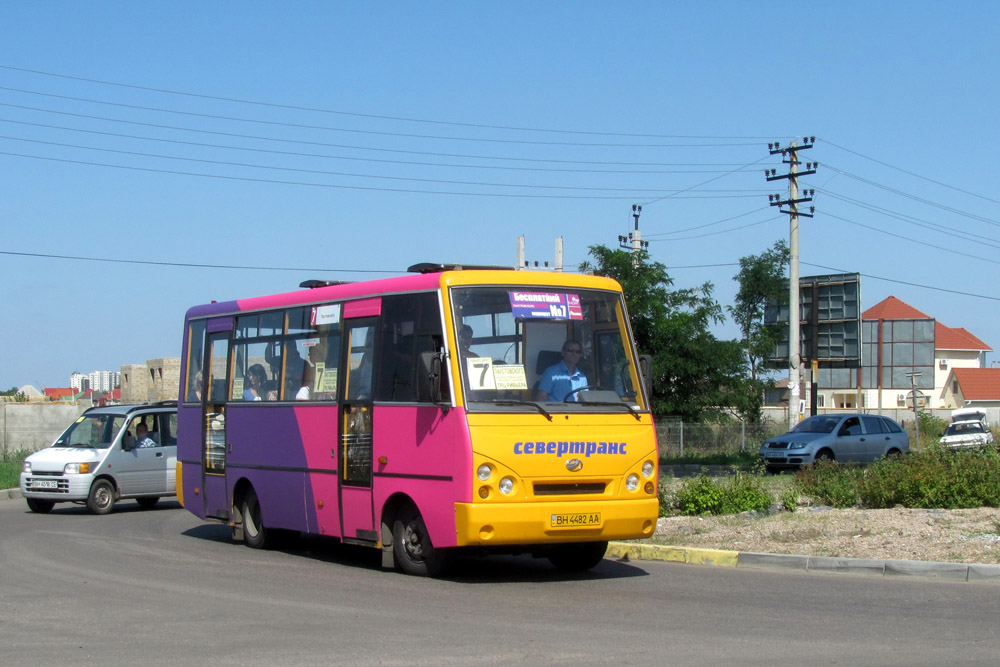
{"x": 128, "y": 442}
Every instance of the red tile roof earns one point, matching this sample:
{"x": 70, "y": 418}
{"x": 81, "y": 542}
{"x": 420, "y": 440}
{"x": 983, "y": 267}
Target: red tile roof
{"x": 56, "y": 393}
{"x": 893, "y": 309}
{"x": 946, "y": 338}
{"x": 979, "y": 384}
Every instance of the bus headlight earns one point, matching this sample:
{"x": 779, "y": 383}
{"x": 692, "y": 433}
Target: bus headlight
{"x": 76, "y": 468}
{"x": 506, "y": 486}
{"x": 632, "y": 482}
{"x": 484, "y": 472}
{"x": 647, "y": 469}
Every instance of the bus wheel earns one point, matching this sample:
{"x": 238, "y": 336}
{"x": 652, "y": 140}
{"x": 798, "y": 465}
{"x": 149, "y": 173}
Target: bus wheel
{"x": 578, "y": 557}
{"x": 148, "y": 501}
{"x": 255, "y": 535}
{"x": 411, "y": 545}
{"x": 101, "y": 498}
{"x": 40, "y": 506}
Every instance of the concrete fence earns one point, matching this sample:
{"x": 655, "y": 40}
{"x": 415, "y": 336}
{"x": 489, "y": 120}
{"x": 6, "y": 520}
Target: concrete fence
{"x": 33, "y": 426}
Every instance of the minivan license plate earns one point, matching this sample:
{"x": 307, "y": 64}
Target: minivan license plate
{"x": 44, "y": 484}
{"x": 573, "y": 520}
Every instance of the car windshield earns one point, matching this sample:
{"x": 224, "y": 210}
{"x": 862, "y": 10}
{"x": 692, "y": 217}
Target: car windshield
{"x": 818, "y": 424}
{"x": 97, "y": 431}
{"x": 963, "y": 429}
{"x": 515, "y": 342}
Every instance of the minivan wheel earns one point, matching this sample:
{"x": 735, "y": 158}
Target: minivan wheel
{"x": 40, "y": 506}
{"x": 102, "y": 497}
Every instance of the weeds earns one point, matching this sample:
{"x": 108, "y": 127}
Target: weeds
{"x": 933, "y": 479}
{"x": 10, "y": 468}
{"x": 704, "y": 495}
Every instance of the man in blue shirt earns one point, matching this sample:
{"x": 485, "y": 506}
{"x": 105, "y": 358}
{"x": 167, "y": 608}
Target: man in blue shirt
{"x": 561, "y": 379}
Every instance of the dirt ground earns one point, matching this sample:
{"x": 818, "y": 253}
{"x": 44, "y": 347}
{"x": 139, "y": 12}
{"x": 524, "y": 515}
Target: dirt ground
{"x": 960, "y": 536}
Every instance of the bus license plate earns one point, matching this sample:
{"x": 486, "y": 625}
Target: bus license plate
{"x": 574, "y": 520}
{"x": 44, "y": 484}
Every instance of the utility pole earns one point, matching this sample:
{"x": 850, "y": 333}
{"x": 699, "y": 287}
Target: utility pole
{"x": 634, "y": 240}
{"x": 790, "y": 157}
{"x": 913, "y": 375}
{"x": 521, "y": 263}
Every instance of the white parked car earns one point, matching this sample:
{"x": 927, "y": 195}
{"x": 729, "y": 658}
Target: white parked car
{"x": 967, "y": 429}
{"x": 126, "y": 451}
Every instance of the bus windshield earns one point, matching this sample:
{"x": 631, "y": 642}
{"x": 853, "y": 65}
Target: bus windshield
{"x": 523, "y": 347}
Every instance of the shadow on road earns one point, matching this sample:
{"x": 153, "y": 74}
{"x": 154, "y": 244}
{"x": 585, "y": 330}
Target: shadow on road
{"x": 467, "y": 568}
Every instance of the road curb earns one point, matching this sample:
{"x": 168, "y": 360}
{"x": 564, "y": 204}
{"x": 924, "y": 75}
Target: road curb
{"x": 975, "y": 573}
{"x": 10, "y": 494}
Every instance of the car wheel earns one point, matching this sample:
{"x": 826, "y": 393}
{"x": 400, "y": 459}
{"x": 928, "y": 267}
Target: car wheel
{"x": 823, "y": 455}
{"x": 412, "y": 548}
{"x": 148, "y": 502}
{"x": 40, "y": 506}
{"x": 578, "y": 557}
{"x": 102, "y": 497}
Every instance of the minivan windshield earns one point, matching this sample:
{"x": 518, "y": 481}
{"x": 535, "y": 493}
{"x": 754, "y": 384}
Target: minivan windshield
{"x": 525, "y": 348}
{"x": 97, "y": 431}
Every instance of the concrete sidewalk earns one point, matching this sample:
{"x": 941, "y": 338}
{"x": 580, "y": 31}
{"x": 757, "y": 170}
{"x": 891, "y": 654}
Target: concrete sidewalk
{"x": 625, "y": 551}
{"x": 862, "y": 566}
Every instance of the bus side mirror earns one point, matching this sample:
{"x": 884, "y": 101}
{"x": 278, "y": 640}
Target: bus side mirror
{"x": 646, "y": 371}
{"x": 429, "y": 378}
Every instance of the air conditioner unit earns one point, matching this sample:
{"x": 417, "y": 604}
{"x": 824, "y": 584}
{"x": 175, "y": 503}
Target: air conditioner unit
{"x": 943, "y": 364}
{"x": 901, "y": 398}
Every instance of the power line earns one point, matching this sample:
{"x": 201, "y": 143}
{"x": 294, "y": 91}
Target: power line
{"x": 355, "y": 147}
{"x": 926, "y": 224}
{"x": 109, "y": 260}
{"x": 355, "y": 158}
{"x": 710, "y": 224}
{"x": 408, "y": 135}
{"x": 910, "y": 173}
{"x": 907, "y": 283}
{"x": 912, "y": 240}
{"x": 368, "y": 115}
{"x": 901, "y": 193}
{"x": 346, "y": 187}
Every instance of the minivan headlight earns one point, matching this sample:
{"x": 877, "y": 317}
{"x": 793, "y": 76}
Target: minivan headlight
{"x": 26, "y": 467}
{"x": 76, "y": 469}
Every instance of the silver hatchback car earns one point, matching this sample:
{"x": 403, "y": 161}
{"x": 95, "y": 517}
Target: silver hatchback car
{"x": 837, "y": 437}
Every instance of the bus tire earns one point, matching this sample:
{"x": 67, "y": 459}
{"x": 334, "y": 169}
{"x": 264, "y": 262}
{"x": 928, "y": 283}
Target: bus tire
{"x": 255, "y": 534}
{"x": 102, "y": 497}
{"x": 411, "y": 545}
{"x": 148, "y": 501}
{"x": 577, "y": 557}
{"x": 40, "y": 506}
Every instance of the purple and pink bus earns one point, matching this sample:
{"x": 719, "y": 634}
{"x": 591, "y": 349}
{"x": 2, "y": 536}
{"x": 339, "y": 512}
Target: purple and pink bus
{"x": 405, "y": 414}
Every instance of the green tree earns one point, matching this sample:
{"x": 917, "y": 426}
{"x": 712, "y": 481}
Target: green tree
{"x": 694, "y": 374}
{"x": 762, "y": 280}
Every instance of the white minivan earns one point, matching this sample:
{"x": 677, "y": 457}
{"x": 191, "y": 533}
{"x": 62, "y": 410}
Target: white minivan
{"x": 107, "y": 454}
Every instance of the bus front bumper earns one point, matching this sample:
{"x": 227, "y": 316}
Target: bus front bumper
{"x": 485, "y": 524}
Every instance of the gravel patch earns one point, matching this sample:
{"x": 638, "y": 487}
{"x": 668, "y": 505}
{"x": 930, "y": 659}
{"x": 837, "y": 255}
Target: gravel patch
{"x": 957, "y": 536}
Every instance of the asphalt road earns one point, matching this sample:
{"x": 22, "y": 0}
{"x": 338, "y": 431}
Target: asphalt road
{"x": 160, "y": 587}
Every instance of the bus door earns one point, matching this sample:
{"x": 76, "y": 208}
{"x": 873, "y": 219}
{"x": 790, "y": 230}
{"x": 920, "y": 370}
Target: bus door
{"x": 355, "y": 429}
{"x": 213, "y": 450}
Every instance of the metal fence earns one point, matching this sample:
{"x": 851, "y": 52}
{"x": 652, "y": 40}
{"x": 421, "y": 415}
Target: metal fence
{"x": 678, "y": 438}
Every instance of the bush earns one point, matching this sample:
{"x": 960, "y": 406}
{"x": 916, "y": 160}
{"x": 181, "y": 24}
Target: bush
{"x": 739, "y": 493}
{"x": 830, "y": 483}
{"x": 10, "y": 468}
{"x": 933, "y": 479}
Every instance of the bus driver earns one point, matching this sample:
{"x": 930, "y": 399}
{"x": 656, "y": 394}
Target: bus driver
{"x": 561, "y": 379}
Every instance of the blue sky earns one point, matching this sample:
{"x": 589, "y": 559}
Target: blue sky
{"x": 351, "y": 140}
